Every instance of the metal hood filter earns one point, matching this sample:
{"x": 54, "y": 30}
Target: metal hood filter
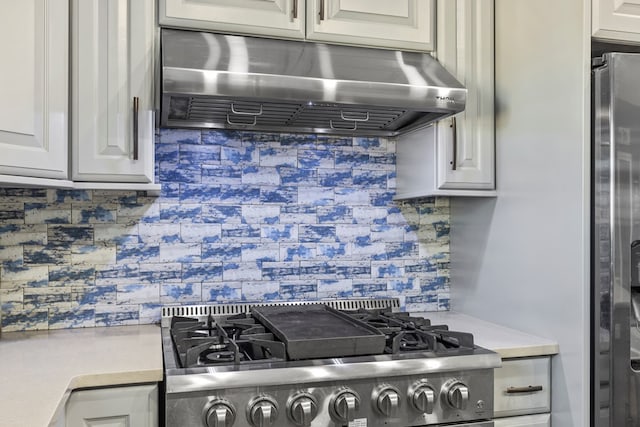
{"x": 221, "y": 81}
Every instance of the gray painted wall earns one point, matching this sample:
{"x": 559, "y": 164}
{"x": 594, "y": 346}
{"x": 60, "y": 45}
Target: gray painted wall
{"x": 522, "y": 259}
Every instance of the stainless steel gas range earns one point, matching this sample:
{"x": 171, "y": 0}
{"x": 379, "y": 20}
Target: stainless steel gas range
{"x": 355, "y": 363}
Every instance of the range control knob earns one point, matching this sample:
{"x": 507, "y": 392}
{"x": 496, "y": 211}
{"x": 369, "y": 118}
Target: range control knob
{"x": 456, "y": 394}
{"x": 219, "y": 413}
{"x": 422, "y": 397}
{"x": 387, "y": 400}
{"x": 262, "y": 412}
{"x": 302, "y": 408}
{"x": 344, "y": 405}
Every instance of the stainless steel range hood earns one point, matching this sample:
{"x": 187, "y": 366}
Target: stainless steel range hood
{"x": 221, "y": 81}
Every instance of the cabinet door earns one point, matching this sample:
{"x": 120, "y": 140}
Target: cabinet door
{"x": 276, "y": 18}
{"x": 113, "y": 43}
{"x": 33, "y": 88}
{"x": 399, "y": 24}
{"x": 540, "y": 420}
{"x": 522, "y": 386}
{"x": 616, "y": 20}
{"x": 117, "y": 407}
{"x": 466, "y": 142}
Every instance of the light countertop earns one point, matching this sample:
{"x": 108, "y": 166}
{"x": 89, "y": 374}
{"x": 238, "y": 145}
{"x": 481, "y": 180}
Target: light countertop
{"x": 39, "y": 369}
{"x": 505, "y": 341}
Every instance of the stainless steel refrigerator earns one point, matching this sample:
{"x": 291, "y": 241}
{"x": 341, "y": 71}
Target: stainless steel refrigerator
{"x": 615, "y": 376}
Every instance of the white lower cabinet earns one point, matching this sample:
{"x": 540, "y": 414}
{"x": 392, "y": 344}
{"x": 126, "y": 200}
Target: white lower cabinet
{"x": 114, "y": 407}
{"x": 522, "y": 389}
{"x": 540, "y": 420}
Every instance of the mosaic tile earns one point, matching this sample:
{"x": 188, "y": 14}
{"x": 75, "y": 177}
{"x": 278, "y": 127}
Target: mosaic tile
{"x": 138, "y": 293}
{"x": 317, "y": 196}
{"x": 77, "y": 234}
{"x": 180, "y": 252}
{"x": 332, "y": 288}
{"x": 261, "y": 291}
{"x": 35, "y": 298}
{"x": 295, "y": 177}
{"x": 12, "y": 213}
{"x": 222, "y": 252}
{"x": 201, "y": 272}
{"x": 260, "y": 214}
{"x": 242, "y": 216}
{"x": 44, "y": 213}
{"x": 68, "y": 196}
{"x": 160, "y": 272}
{"x": 221, "y": 292}
{"x": 15, "y": 234}
{"x": 179, "y": 213}
{"x": 352, "y": 196}
{"x": 92, "y": 295}
{"x": 240, "y": 233}
{"x": 333, "y": 251}
{"x": 297, "y": 251}
{"x": 317, "y": 270}
{"x": 221, "y": 174}
{"x": 117, "y": 315}
{"x": 279, "y": 233}
{"x": 369, "y": 288}
{"x": 260, "y": 252}
{"x": 175, "y": 136}
{"x": 234, "y": 271}
{"x": 298, "y": 291}
{"x": 286, "y": 195}
{"x": 74, "y": 317}
{"x": 280, "y": 270}
{"x": 229, "y": 214}
{"x": 180, "y": 292}
{"x": 130, "y": 253}
{"x": 21, "y": 195}
{"x": 316, "y": 159}
{"x": 156, "y": 233}
{"x": 83, "y": 213}
{"x": 272, "y": 157}
{"x": 200, "y": 233}
{"x": 317, "y": 233}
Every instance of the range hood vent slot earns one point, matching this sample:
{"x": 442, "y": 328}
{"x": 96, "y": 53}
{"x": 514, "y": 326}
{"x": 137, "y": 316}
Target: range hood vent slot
{"x": 219, "y": 81}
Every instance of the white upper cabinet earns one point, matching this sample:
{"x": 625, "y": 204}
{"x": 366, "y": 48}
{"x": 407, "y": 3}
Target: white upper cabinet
{"x": 465, "y": 142}
{"x": 456, "y": 156}
{"x": 112, "y": 90}
{"x": 34, "y": 39}
{"x": 617, "y": 20}
{"x": 276, "y": 18}
{"x": 399, "y": 24}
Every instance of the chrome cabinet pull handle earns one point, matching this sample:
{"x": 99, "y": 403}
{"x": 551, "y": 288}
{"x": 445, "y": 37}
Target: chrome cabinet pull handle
{"x": 527, "y": 389}
{"x": 454, "y": 161}
{"x": 136, "y": 110}
{"x": 294, "y": 11}
{"x": 321, "y": 10}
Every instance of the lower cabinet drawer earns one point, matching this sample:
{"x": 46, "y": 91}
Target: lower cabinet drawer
{"x": 522, "y": 386}
{"x": 539, "y": 420}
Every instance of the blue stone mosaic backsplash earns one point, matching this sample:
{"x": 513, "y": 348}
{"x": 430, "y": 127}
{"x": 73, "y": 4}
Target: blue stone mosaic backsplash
{"x": 241, "y": 217}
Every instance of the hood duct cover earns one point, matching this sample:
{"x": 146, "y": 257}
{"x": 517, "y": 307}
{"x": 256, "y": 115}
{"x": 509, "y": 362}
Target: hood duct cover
{"x": 221, "y": 81}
